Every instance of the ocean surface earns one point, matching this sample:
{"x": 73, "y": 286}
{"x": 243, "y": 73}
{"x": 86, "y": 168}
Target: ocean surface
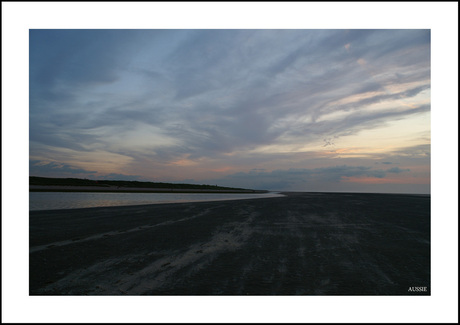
{"x": 76, "y": 200}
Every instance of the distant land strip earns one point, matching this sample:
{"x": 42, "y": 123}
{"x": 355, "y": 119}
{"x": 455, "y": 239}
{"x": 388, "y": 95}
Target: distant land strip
{"x": 46, "y": 184}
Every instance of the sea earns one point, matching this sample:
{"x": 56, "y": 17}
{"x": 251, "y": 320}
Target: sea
{"x": 76, "y": 200}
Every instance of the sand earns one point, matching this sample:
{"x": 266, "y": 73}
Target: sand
{"x": 300, "y": 244}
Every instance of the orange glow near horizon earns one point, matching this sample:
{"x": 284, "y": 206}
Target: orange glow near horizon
{"x": 182, "y": 162}
{"x": 375, "y": 180}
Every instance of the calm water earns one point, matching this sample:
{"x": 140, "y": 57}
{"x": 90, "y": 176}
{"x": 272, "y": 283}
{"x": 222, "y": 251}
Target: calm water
{"x": 75, "y": 200}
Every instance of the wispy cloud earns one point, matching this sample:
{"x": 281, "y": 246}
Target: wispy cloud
{"x": 52, "y": 168}
{"x": 158, "y": 97}
{"x": 328, "y": 178}
{"x": 397, "y": 170}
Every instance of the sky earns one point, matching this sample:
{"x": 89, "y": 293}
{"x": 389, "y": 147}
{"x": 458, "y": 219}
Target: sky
{"x": 332, "y": 110}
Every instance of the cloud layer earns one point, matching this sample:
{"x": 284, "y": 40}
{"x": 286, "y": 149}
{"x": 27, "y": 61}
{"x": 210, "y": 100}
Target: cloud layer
{"x": 213, "y": 104}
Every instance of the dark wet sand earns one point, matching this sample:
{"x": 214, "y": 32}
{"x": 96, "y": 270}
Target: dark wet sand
{"x": 301, "y": 244}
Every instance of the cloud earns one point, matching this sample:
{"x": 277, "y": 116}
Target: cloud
{"x": 397, "y": 170}
{"x": 239, "y": 72}
{"x": 42, "y": 168}
{"x": 78, "y": 56}
{"x": 56, "y": 169}
{"x": 419, "y": 151}
{"x": 159, "y": 96}
{"x": 368, "y": 101}
{"x": 121, "y": 177}
{"x": 306, "y": 178}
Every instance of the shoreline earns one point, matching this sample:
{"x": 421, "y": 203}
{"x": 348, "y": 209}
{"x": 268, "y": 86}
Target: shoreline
{"x": 58, "y": 200}
{"x": 115, "y": 189}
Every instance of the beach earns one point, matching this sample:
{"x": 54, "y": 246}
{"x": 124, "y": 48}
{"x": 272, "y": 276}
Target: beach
{"x": 299, "y": 244}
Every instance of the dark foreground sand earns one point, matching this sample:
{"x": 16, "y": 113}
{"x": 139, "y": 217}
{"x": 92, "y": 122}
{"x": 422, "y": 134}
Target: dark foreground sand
{"x": 301, "y": 244}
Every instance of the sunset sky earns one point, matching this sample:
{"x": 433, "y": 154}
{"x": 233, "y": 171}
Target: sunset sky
{"x": 281, "y": 109}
